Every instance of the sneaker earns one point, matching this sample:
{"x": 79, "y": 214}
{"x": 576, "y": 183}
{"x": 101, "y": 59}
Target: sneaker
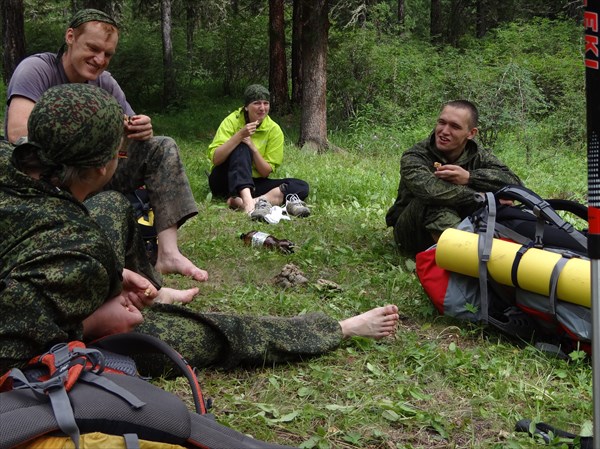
{"x": 261, "y": 209}
{"x": 295, "y": 206}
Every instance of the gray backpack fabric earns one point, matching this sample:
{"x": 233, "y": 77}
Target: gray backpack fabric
{"x": 93, "y": 389}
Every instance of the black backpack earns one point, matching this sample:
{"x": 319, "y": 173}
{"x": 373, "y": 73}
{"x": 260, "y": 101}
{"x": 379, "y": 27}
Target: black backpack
{"x": 76, "y": 390}
{"x": 144, "y": 215}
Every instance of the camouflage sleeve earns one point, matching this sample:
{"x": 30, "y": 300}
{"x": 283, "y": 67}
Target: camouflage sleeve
{"x": 417, "y": 173}
{"x": 491, "y": 174}
{"x": 45, "y": 300}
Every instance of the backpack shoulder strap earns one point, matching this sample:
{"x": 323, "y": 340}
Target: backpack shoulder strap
{"x": 138, "y": 343}
{"x": 541, "y": 208}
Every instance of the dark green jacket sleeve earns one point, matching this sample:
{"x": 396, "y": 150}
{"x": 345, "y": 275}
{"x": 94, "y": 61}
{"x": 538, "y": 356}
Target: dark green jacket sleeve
{"x": 490, "y": 174}
{"x": 417, "y": 176}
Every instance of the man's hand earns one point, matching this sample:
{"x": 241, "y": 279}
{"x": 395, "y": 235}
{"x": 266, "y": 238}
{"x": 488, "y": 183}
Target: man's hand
{"x": 505, "y": 202}
{"x": 115, "y": 316}
{"x": 138, "y": 290}
{"x": 138, "y": 127}
{"x": 123, "y": 312}
{"x": 454, "y": 174}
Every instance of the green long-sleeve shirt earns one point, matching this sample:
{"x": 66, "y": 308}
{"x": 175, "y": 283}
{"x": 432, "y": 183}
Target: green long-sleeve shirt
{"x": 417, "y": 180}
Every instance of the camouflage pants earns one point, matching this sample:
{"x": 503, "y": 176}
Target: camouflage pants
{"x": 416, "y": 223}
{"x": 156, "y": 164}
{"x": 207, "y": 339}
{"x": 227, "y": 341}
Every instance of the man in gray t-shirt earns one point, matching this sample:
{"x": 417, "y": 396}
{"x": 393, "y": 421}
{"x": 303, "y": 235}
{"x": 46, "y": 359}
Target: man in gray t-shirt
{"x": 151, "y": 161}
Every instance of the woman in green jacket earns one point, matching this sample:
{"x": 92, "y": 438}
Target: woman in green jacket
{"x": 246, "y": 150}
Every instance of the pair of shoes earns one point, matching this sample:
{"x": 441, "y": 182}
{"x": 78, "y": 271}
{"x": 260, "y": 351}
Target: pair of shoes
{"x": 262, "y": 208}
{"x": 295, "y": 207}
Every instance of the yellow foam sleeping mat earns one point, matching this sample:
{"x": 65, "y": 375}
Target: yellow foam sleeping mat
{"x": 457, "y": 251}
{"x": 94, "y": 440}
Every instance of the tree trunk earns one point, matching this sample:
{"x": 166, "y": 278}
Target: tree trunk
{"x": 313, "y": 123}
{"x": 456, "y": 23}
{"x": 13, "y": 36}
{"x": 297, "y": 53}
{"x": 169, "y": 86}
{"x": 191, "y": 14}
{"x": 435, "y": 25}
{"x": 401, "y": 12}
{"x": 278, "y": 81}
{"x": 480, "y": 16}
{"x": 110, "y": 7}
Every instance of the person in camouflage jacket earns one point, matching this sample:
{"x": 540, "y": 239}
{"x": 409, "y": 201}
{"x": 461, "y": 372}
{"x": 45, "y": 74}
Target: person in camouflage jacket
{"x": 440, "y": 178}
{"x": 73, "y": 266}
{"x": 149, "y": 161}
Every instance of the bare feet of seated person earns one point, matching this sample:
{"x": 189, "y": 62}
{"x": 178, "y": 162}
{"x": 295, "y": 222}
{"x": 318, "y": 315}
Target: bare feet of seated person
{"x": 169, "y": 259}
{"x": 179, "y": 264}
{"x": 376, "y": 323}
{"x": 170, "y": 295}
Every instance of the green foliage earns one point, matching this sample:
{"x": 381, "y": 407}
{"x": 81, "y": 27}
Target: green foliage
{"x": 526, "y": 78}
{"x": 137, "y": 65}
{"x": 45, "y": 25}
{"x": 379, "y": 80}
{"x": 237, "y": 52}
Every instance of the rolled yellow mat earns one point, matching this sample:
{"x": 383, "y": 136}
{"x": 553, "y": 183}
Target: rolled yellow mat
{"x": 457, "y": 251}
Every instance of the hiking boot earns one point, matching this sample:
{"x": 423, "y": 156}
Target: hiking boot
{"x": 295, "y": 207}
{"x": 262, "y": 208}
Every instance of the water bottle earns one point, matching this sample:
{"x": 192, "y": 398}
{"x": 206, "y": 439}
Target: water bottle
{"x": 260, "y": 239}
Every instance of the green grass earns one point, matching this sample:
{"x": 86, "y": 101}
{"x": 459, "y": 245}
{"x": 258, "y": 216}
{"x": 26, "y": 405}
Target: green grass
{"x": 438, "y": 383}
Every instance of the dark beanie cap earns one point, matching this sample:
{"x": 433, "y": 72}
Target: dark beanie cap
{"x": 75, "y": 125}
{"x": 91, "y": 15}
{"x": 256, "y": 92}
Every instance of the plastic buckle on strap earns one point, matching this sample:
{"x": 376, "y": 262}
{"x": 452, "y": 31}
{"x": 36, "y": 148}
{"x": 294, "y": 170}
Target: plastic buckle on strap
{"x": 61, "y": 353}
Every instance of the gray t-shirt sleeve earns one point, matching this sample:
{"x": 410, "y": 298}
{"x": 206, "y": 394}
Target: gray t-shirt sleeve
{"x": 37, "y": 73}
{"x": 109, "y": 84}
{"x": 32, "y": 77}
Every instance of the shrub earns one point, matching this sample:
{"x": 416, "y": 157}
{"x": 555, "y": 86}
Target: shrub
{"x": 381, "y": 80}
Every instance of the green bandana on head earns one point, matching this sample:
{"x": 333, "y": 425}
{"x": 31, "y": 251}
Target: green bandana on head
{"x": 84, "y": 16}
{"x": 76, "y": 125}
{"x": 254, "y": 93}
{"x": 91, "y": 15}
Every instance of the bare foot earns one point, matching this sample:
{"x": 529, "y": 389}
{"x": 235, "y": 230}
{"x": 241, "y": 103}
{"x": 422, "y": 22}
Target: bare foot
{"x": 170, "y": 295}
{"x": 249, "y": 206}
{"x": 180, "y": 265}
{"x": 376, "y": 323}
{"x": 235, "y": 203}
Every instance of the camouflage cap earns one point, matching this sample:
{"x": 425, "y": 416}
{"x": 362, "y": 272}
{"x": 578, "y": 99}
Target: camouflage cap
{"x": 76, "y": 125}
{"x": 255, "y": 92}
{"x": 91, "y": 15}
